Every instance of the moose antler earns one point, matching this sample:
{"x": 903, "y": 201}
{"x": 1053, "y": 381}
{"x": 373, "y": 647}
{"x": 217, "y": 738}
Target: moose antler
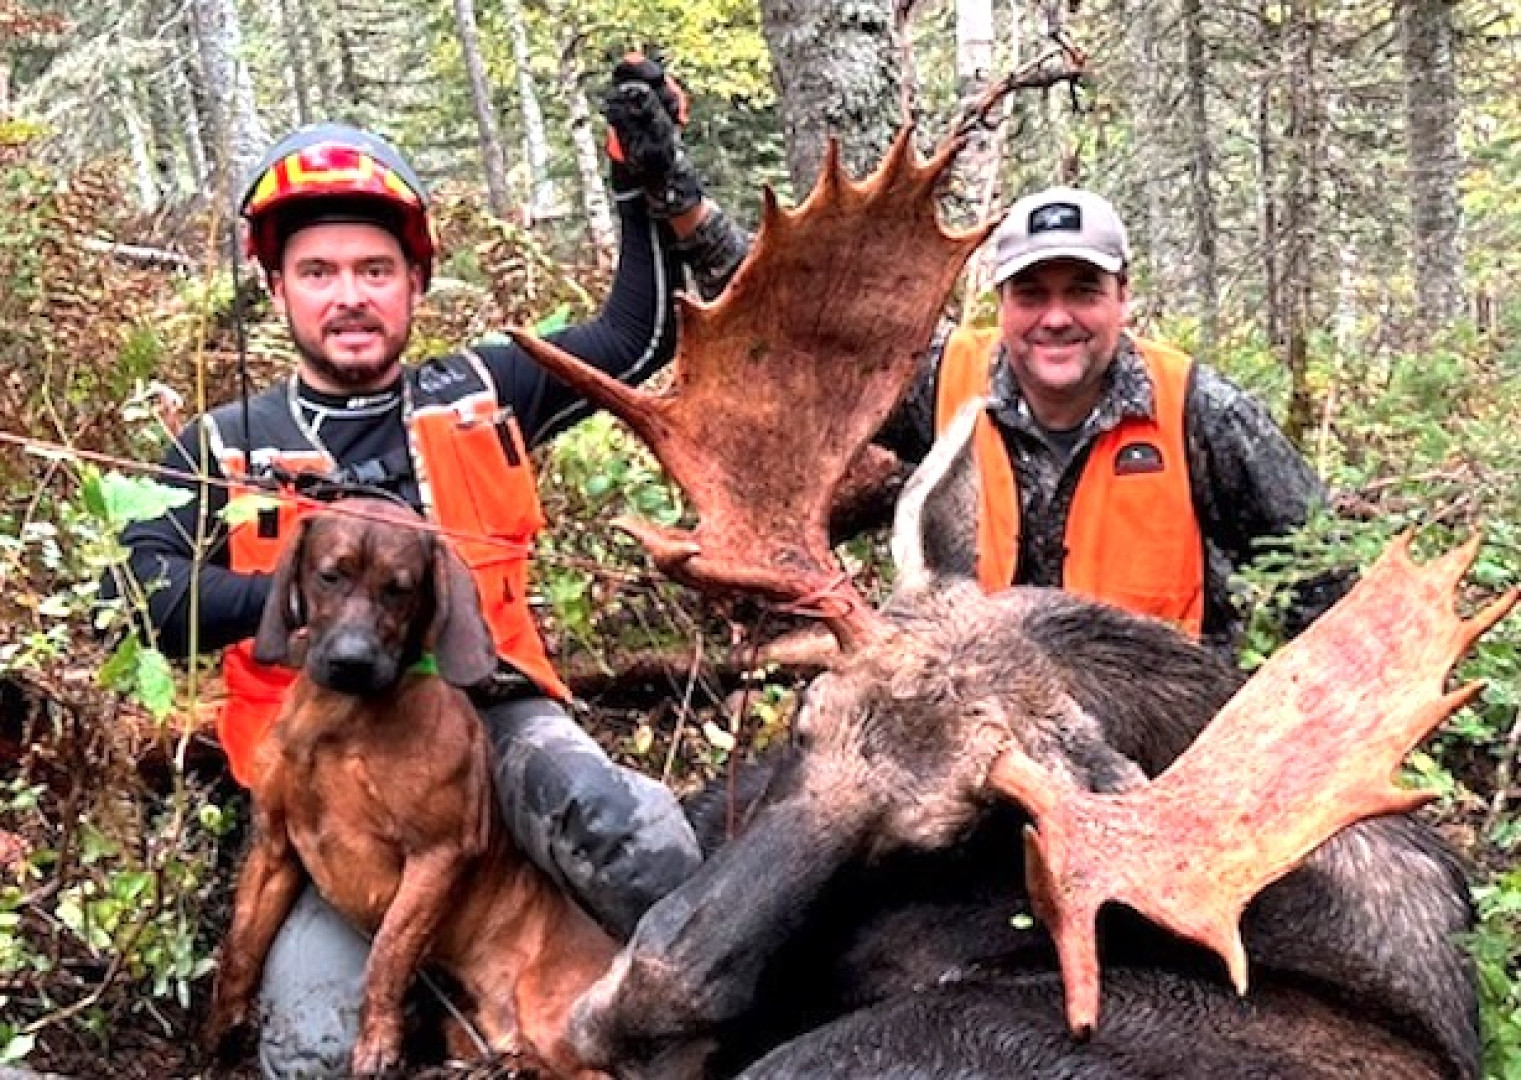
{"x": 1308, "y": 746}
{"x": 782, "y": 382}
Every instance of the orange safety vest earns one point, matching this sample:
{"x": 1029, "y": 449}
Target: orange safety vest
{"x": 1132, "y": 538}
{"x": 476, "y": 481}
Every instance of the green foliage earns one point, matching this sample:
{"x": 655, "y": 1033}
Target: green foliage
{"x": 116, "y": 879}
{"x": 1496, "y": 949}
{"x": 588, "y": 574}
{"x": 1429, "y": 443}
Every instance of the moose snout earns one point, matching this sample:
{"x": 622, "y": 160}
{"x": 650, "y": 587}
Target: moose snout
{"x": 351, "y": 659}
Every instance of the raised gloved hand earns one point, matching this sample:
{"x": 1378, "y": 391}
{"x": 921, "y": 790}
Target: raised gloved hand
{"x": 645, "y": 110}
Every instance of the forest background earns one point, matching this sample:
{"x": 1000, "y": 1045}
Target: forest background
{"x": 1325, "y": 201}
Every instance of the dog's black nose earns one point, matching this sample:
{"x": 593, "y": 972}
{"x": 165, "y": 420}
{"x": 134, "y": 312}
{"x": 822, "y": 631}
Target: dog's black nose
{"x": 350, "y": 660}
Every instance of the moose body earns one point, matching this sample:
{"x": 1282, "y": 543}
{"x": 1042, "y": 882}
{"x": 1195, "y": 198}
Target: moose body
{"x": 895, "y": 877}
{"x": 376, "y": 783}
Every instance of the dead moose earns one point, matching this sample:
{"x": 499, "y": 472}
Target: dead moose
{"x": 973, "y": 759}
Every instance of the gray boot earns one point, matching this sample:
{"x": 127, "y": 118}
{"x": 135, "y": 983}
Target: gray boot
{"x": 615, "y": 840}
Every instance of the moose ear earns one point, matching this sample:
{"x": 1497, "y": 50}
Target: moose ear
{"x": 934, "y": 539}
{"x": 284, "y": 611}
{"x": 459, "y": 638}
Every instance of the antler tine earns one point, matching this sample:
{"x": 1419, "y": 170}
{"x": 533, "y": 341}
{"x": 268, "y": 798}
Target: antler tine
{"x": 1309, "y": 745}
{"x": 637, "y": 408}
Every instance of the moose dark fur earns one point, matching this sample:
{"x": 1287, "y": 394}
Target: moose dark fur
{"x": 876, "y": 881}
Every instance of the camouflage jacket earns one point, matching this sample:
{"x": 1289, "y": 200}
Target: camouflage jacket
{"x": 1247, "y": 480}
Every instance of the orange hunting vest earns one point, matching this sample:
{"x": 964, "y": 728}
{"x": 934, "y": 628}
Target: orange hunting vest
{"x": 1132, "y": 538}
{"x": 476, "y": 481}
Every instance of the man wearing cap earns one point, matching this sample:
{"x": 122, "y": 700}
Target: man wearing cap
{"x": 1112, "y": 466}
{"x": 338, "y": 220}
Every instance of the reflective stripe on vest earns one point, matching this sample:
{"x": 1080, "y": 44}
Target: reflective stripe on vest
{"x": 477, "y": 482}
{"x": 1131, "y": 536}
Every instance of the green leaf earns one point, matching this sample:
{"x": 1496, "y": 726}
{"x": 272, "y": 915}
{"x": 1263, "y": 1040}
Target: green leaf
{"x": 155, "y": 683}
{"x": 558, "y": 319}
{"x": 246, "y": 508}
{"x": 115, "y": 673}
{"x": 125, "y": 499}
{"x": 17, "y": 1047}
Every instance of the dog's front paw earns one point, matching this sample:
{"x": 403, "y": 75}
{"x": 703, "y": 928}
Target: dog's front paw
{"x": 227, "y": 1035}
{"x": 378, "y": 1051}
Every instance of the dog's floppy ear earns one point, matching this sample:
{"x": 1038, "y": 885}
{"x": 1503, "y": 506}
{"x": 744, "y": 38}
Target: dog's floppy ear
{"x": 459, "y": 638}
{"x": 284, "y": 612}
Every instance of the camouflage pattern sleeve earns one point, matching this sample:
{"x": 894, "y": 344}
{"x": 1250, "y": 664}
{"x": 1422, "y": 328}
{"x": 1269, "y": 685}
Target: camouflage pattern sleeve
{"x": 909, "y": 431}
{"x": 1249, "y": 480}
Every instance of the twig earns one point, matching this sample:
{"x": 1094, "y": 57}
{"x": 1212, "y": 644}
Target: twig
{"x": 1503, "y": 774}
{"x": 694, "y": 671}
{"x": 1031, "y": 75}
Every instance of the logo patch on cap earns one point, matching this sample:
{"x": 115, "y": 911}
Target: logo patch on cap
{"x": 1137, "y": 457}
{"x": 1056, "y": 217}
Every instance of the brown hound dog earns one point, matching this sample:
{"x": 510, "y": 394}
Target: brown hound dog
{"x": 376, "y": 781}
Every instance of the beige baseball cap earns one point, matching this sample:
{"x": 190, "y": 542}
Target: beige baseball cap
{"x": 1059, "y": 223}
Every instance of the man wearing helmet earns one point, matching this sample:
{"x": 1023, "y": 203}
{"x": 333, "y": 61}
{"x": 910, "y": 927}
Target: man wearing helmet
{"x": 338, "y": 220}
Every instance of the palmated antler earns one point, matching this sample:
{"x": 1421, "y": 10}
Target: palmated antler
{"x": 782, "y": 382}
{"x": 1308, "y": 746}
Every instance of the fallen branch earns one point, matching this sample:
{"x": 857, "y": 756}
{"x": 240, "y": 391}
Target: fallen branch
{"x": 800, "y": 655}
{"x": 135, "y": 253}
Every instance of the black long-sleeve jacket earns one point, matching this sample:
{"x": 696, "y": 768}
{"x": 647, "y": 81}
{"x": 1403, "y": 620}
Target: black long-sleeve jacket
{"x": 633, "y": 336}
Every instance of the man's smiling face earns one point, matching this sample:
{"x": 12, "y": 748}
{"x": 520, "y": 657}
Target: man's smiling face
{"x": 1061, "y": 323}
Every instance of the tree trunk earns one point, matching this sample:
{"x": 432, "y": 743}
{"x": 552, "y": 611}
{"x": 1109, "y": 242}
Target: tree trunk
{"x": 1205, "y": 228}
{"x": 488, "y": 133}
{"x": 1301, "y": 150}
{"x": 189, "y": 105}
{"x": 1155, "y": 181}
{"x": 295, "y": 55}
{"x": 5, "y": 85}
{"x": 239, "y": 137}
{"x": 1434, "y": 159}
{"x": 325, "y": 83}
{"x": 977, "y": 166}
{"x": 543, "y": 200}
{"x": 1267, "y": 194}
{"x": 583, "y": 139}
{"x": 349, "y": 89}
{"x": 139, "y": 142}
{"x": 836, "y": 70}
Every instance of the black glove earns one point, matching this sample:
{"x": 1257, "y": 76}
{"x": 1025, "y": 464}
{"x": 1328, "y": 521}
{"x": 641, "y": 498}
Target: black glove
{"x": 645, "y": 109}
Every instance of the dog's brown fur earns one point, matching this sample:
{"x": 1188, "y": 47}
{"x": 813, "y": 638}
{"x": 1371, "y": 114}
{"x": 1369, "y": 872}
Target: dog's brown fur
{"x": 382, "y": 793}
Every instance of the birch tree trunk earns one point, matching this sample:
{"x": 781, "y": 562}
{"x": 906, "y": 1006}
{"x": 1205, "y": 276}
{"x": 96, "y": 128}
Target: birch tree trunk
{"x": 1434, "y": 159}
{"x": 5, "y": 84}
{"x": 238, "y": 135}
{"x": 836, "y": 70}
{"x": 1201, "y": 177}
{"x": 977, "y": 167}
{"x": 186, "y": 99}
{"x": 978, "y": 163}
{"x": 543, "y": 200}
{"x": 489, "y": 134}
{"x": 583, "y": 140}
{"x": 139, "y": 142}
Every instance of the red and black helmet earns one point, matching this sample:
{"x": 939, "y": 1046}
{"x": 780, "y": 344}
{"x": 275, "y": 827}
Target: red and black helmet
{"x": 334, "y": 172}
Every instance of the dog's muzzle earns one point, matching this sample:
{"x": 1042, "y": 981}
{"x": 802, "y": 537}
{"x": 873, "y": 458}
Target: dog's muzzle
{"x": 351, "y": 660}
